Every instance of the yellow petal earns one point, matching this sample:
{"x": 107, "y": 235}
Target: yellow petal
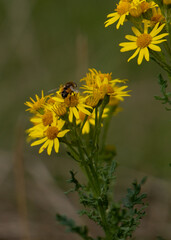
{"x": 135, "y": 54}
{"x": 83, "y": 110}
{"x": 62, "y": 133}
{"x": 159, "y": 41}
{"x": 70, "y": 115}
{"x": 56, "y": 145}
{"x": 140, "y": 57}
{"x": 49, "y": 148}
{"x": 160, "y": 36}
{"x": 75, "y": 111}
{"x": 86, "y": 128}
{"x": 112, "y": 20}
{"x": 146, "y": 54}
{"x": 156, "y": 31}
{"x": 44, "y": 146}
{"x": 128, "y": 47}
{"x": 131, "y": 38}
{"x": 60, "y": 124}
{"x": 121, "y": 21}
{"x": 154, "y": 47}
{"x": 39, "y": 141}
{"x": 136, "y": 31}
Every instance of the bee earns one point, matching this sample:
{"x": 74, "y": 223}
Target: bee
{"x": 68, "y": 88}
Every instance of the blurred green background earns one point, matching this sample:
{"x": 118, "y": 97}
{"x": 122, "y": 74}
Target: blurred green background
{"x": 44, "y": 44}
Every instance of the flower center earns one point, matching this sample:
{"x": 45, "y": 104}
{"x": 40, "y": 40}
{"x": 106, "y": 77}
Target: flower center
{"x": 47, "y": 118}
{"x": 123, "y": 8}
{"x": 52, "y": 132}
{"x": 144, "y": 40}
{"x": 71, "y": 100}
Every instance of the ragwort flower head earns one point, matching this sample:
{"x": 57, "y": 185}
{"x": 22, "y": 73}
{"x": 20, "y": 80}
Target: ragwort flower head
{"x": 104, "y": 85}
{"x": 157, "y": 16}
{"x": 142, "y": 42}
{"x": 138, "y": 7}
{"x": 119, "y": 15}
{"x": 46, "y": 118}
{"x": 38, "y": 105}
{"x": 48, "y": 136}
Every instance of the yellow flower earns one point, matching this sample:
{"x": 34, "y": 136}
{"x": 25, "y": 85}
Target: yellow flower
{"x": 137, "y": 7}
{"x": 48, "y": 135}
{"x": 103, "y": 84}
{"x": 157, "y": 16}
{"x": 142, "y": 41}
{"x": 35, "y": 106}
{"x": 74, "y": 102}
{"x": 119, "y": 15}
{"x": 90, "y": 78}
{"x": 147, "y": 5}
{"x": 46, "y": 119}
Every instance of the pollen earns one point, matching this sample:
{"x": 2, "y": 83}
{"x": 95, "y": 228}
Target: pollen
{"x": 123, "y": 8}
{"x": 52, "y": 132}
{"x": 60, "y": 109}
{"x": 144, "y": 40}
{"x": 71, "y": 100}
{"x": 47, "y": 118}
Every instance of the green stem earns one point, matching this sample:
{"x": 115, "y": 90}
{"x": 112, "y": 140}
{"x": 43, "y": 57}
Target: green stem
{"x": 106, "y": 126}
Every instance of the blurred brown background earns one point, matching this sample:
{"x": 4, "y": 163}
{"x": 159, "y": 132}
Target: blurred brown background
{"x": 47, "y": 43}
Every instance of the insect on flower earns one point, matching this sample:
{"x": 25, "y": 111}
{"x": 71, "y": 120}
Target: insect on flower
{"x": 68, "y": 88}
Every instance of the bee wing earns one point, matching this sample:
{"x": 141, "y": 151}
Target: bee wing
{"x": 52, "y": 90}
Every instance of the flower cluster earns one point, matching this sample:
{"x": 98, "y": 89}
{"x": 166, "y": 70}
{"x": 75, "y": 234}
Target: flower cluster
{"x": 57, "y": 117}
{"x": 150, "y": 25}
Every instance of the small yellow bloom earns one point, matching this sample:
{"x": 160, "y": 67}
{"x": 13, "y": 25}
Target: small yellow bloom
{"x": 142, "y": 41}
{"x": 103, "y": 84}
{"x": 119, "y": 15}
{"x": 46, "y": 118}
{"x": 48, "y": 135}
{"x": 157, "y": 16}
{"x": 35, "y": 106}
{"x": 145, "y": 6}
